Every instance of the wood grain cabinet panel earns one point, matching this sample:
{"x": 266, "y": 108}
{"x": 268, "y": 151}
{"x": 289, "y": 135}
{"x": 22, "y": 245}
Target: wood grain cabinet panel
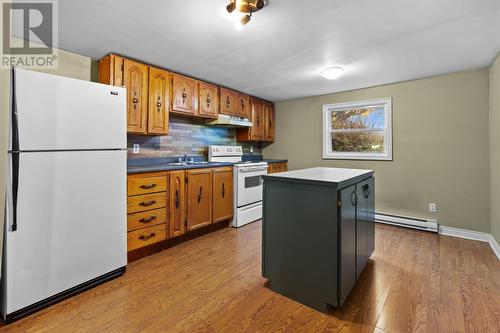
{"x": 159, "y": 101}
{"x": 145, "y": 219}
{"x": 199, "y": 198}
{"x": 145, "y": 185}
{"x": 110, "y": 70}
{"x": 140, "y": 203}
{"x": 208, "y": 100}
{"x": 222, "y": 194}
{"x": 269, "y": 121}
{"x": 177, "y": 203}
{"x": 243, "y": 105}
{"x": 227, "y": 101}
{"x": 146, "y": 236}
{"x": 136, "y": 81}
{"x": 184, "y": 95}
{"x": 258, "y": 120}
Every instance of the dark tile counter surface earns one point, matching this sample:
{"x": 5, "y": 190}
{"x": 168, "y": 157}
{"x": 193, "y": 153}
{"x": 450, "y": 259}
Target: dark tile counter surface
{"x": 165, "y": 164}
{"x": 272, "y": 160}
{"x": 138, "y": 165}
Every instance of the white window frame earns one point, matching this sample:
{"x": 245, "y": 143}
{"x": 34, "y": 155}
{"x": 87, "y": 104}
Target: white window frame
{"x": 386, "y": 102}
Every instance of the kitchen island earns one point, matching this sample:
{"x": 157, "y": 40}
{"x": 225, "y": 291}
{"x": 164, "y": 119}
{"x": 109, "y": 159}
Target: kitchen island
{"x": 318, "y": 233}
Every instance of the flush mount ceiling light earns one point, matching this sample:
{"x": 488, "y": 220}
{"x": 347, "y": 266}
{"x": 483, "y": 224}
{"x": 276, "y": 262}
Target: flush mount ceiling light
{"x": 332, "y": 73}
{"x": 245, "y": 7}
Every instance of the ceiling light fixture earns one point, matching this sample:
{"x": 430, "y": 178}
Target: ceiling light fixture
{"x": 332, "y": 73}
{"x": 246, "y": 7}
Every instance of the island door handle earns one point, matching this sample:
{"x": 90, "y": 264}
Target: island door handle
{"x": 367, "y": 190}
{"x": 354, "y": 198}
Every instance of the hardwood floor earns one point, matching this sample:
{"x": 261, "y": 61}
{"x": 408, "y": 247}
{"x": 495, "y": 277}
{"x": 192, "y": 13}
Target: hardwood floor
{"x": 415, "y": 282}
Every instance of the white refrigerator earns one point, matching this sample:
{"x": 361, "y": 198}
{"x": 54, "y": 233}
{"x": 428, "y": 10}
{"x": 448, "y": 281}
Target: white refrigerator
{"x": 65, "y": 221}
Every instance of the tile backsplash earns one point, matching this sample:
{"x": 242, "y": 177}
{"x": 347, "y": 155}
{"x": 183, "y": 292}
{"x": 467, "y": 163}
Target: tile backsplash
{"x": 186, "y": 136}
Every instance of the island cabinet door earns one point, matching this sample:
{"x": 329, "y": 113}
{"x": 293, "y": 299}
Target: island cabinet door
{"x": 347, "y": 238}
{"x": 199, "y": 198}
{"x": 369, "y": 192}
{"x": 361, "y": 239}
{"x": 177, "y": 203}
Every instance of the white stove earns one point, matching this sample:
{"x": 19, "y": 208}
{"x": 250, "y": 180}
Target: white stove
{"x": 247, "y": 182}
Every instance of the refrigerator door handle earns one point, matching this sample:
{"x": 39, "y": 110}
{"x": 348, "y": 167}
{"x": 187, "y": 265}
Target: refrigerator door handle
{"x": 15, "y": 188}
{"x": 14, "y": 116}
{"x": 15, "y": 152}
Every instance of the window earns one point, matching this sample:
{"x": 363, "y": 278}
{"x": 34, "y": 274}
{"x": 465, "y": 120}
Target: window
{"x": 358, "y": 130}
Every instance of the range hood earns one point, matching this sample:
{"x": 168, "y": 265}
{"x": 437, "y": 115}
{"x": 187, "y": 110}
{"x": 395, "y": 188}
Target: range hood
{"x": 230, "y": 121}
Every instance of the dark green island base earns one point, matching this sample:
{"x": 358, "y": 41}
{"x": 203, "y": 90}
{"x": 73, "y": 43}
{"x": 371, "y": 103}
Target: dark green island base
{"x": 318, "y": 233}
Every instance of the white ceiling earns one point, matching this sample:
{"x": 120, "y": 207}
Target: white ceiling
{"x": 280, "y": 53}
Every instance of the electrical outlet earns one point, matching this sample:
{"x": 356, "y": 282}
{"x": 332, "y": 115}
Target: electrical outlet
{"x": 251, "y": 149}
{"x": 136, "y": 149}
{"x": 432, "y": 207}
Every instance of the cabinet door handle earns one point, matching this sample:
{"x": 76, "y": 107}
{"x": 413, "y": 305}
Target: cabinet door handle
{"x": 135, "y": 100}
{"x": 184, "y": 96}
{"x": 258, "y": 121}
{"x": 158, "y": 104}
{"x": 147, "y": 187}
{"x": 208, "y": 101}
{"x": 354, "y": 198}
{"x": 367, "y": 190}
{"x": 228, "y": 103}
{"x": 147, "y": 236}
{"x": 223, "y": 190}
{"x": 147, "y": 203}
{"x": 147, "y": 220}
{"x": 200, "y": 194}
{"x": 177, "y": 200}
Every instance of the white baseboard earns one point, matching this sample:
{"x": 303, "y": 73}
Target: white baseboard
{"x": 473, "y": 235}
{"x": 495, "y": 246}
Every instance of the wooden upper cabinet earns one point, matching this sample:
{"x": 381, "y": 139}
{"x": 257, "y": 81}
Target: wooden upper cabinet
{"x": 243, "y": 105}
{"x": 269, "y": 122}
{"x": 135, "y": 76}
{"x": 208, "y": 99}
{"x": 222, "y": 194}
{"x": 110, "y": 70}
{"x": 184, "y": 95}
{"x": 199, "y": 198}
{"x": 177, "y": 203}
{"x": 159, "y": 101}
{"x": 227, "y": 101}
{"x": 258, "y": 120}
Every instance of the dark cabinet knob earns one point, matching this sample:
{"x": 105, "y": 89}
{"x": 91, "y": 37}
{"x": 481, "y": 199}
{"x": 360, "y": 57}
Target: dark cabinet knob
{"x": 147, "y": 236}
{"x": 147, "y": 220}
{"x": 223, "y": 190}
{"x": 200, "y": 194}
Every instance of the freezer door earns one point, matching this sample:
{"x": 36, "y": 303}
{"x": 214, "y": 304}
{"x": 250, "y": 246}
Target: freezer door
{"x": 71, "y": 223}
{"x": 60, "y": 113}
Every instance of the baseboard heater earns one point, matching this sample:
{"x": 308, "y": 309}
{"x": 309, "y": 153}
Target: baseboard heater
{"x": 406, "y": 221}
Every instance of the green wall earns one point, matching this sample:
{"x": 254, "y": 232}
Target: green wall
{"x": 440, "y": 146}
{"x": 495, "y": 147}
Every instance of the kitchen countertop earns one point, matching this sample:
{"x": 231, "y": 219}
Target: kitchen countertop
{"x": 162, "y": 164}
{"x": 331, "y": 176}
{"x": 168, "y": 167}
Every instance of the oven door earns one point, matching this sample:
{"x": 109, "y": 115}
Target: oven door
{"x": 250, "y": 184}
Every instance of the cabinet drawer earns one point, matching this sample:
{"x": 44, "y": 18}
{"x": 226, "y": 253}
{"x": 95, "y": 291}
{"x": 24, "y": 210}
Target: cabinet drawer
{"x": 137, "y": 186}
{"x": 146, "y": 236}
{"x": 146, "y": 219}
{"x": 140, "y": 203}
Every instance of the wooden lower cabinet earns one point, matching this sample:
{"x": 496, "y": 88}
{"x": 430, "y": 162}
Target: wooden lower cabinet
{"x": 222, "y": 194}
{"x": 177, "y": 203}
{"x": 146, "y": 236}
{"x": 199, "y": 198}
{"x": 277, "y": 167}
{"x": 167, "y": 204}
